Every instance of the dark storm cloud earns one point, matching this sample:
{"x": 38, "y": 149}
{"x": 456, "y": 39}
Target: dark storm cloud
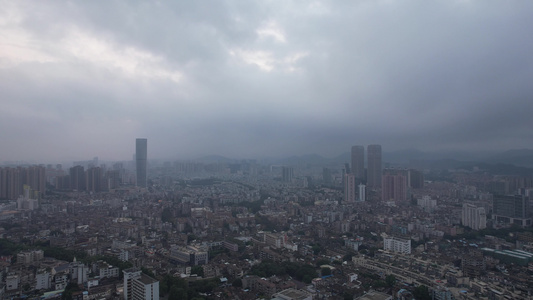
{"x": 247, "y": 79}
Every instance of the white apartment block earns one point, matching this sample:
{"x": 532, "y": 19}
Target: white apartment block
{"x": 139, "y": 286}
{"x": 12, "y": 282}
{"x": 43, "y": 280}
{"x": 474, "y": 217}
{"x": 427, "y": 203}
{"x": 106, "y": 270}
{"x": 394, "y": 244}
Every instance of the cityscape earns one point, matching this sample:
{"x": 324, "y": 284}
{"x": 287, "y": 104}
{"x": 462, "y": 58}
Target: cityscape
{"x": 241, "y": 229}
{"x": 248, "y": 150}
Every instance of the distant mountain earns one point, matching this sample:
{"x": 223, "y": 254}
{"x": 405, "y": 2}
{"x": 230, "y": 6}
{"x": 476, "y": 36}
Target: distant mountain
{"x": 307, "y": 159}
{"x": 442, "y": 164}
{"x": 498, "y": 169}
{"x": 342, "y": 158}
{"x": 518, "y": 157}
{"x": 404, "y": 158}
{"x": 413, "y": 155}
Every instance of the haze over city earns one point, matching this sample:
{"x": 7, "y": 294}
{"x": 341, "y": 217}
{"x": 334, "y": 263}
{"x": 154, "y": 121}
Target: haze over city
{"x": 281, "y": 150}
{"x": 248, "y": 79}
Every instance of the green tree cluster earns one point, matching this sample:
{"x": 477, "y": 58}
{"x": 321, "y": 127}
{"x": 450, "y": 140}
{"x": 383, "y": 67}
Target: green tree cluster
{"x": 198, "y": 270}
{"x": 302, "y": 272}
{"x": 321, "y": 262}
{"x": 421, "y": 292}
{"x": 69, "y": 289}
{"x": 7, "y": 247}
{"x": 390, "y": 280}
{"x": 9, "y": 225}
{"x": 63, "y": 254}
{"x": 179, "y": 289}
{"x": 217, "y": 251}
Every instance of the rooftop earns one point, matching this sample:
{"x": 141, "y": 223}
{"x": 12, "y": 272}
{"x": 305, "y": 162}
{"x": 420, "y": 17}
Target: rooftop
{"x": 375, "y": 296}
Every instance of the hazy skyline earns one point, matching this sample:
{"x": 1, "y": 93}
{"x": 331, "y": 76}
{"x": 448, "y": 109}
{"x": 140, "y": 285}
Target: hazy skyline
{"x": 247, "y": 79}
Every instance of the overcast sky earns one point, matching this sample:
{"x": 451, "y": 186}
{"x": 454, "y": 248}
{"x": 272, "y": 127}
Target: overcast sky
{"x": 246, "y": 79}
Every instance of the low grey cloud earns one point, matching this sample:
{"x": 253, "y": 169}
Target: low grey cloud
{"x": 250, "y": 79}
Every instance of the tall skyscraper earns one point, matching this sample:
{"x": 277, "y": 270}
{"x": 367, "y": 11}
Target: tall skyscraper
{"x": 350, "y": 192}
{"x": 374, "y": 166}
{"x": 141, "y": 154}
{"x": 12, "y": 181}
{"x": 287, "y": 174}
{"x": 358, "y": 163}
{"x": 77, "y": 178}
{"x": 347, "y": 168}
{"x": 34, "y": 176}
{"x": 415, "y": 179}
{"x": 394, "y": 188}
{"x": 94, "y": 179}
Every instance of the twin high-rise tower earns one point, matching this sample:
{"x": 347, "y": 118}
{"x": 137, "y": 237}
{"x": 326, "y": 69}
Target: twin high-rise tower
{"x": 374, "y": 169}
{"x": 355, "y": 179}
{"x": 141, "y": 155}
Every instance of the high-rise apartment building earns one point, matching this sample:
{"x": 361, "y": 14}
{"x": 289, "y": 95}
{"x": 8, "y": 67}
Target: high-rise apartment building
{"x": 474, "y": 217}
{"x": 77, "y": 178}
{"x": 287, "y": 174}
{"x": 394, "y": 187}
{"x": 350, "y": 188}
{"x": 12, "y": 181}
{"x": 358, "y": 163}
{"x": 34, "y": 176}
{"x": 94, "y": 179}
{"x": 362, "y": 192}
{"x": 141, "y": 156}
{"x": 374, "y": 166}
{"x": 415, "y": 179}
{"x": 511, "y": 209}
{"x": 139, "y": 286}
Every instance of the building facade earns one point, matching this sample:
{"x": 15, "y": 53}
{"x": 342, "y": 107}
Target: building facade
{"x": 145, "y": 288}
{"x": 358, "y": 163}
{"x": 350, "y": 188}
{"x": 141, "y": 156}
{"x": 139, "y": 286}
{"x": 362, "y": 192}
{"x": 511, "y": 209}
{"x": 191, "y": 255}
{"x": 474, "y": 217}
{"x": 287, "y": 174}
{"x": 394, "y": 188}
{"x": 12, "y": 181}
{"x": 398, "y": 245}
{"x": 374, "y": 169}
